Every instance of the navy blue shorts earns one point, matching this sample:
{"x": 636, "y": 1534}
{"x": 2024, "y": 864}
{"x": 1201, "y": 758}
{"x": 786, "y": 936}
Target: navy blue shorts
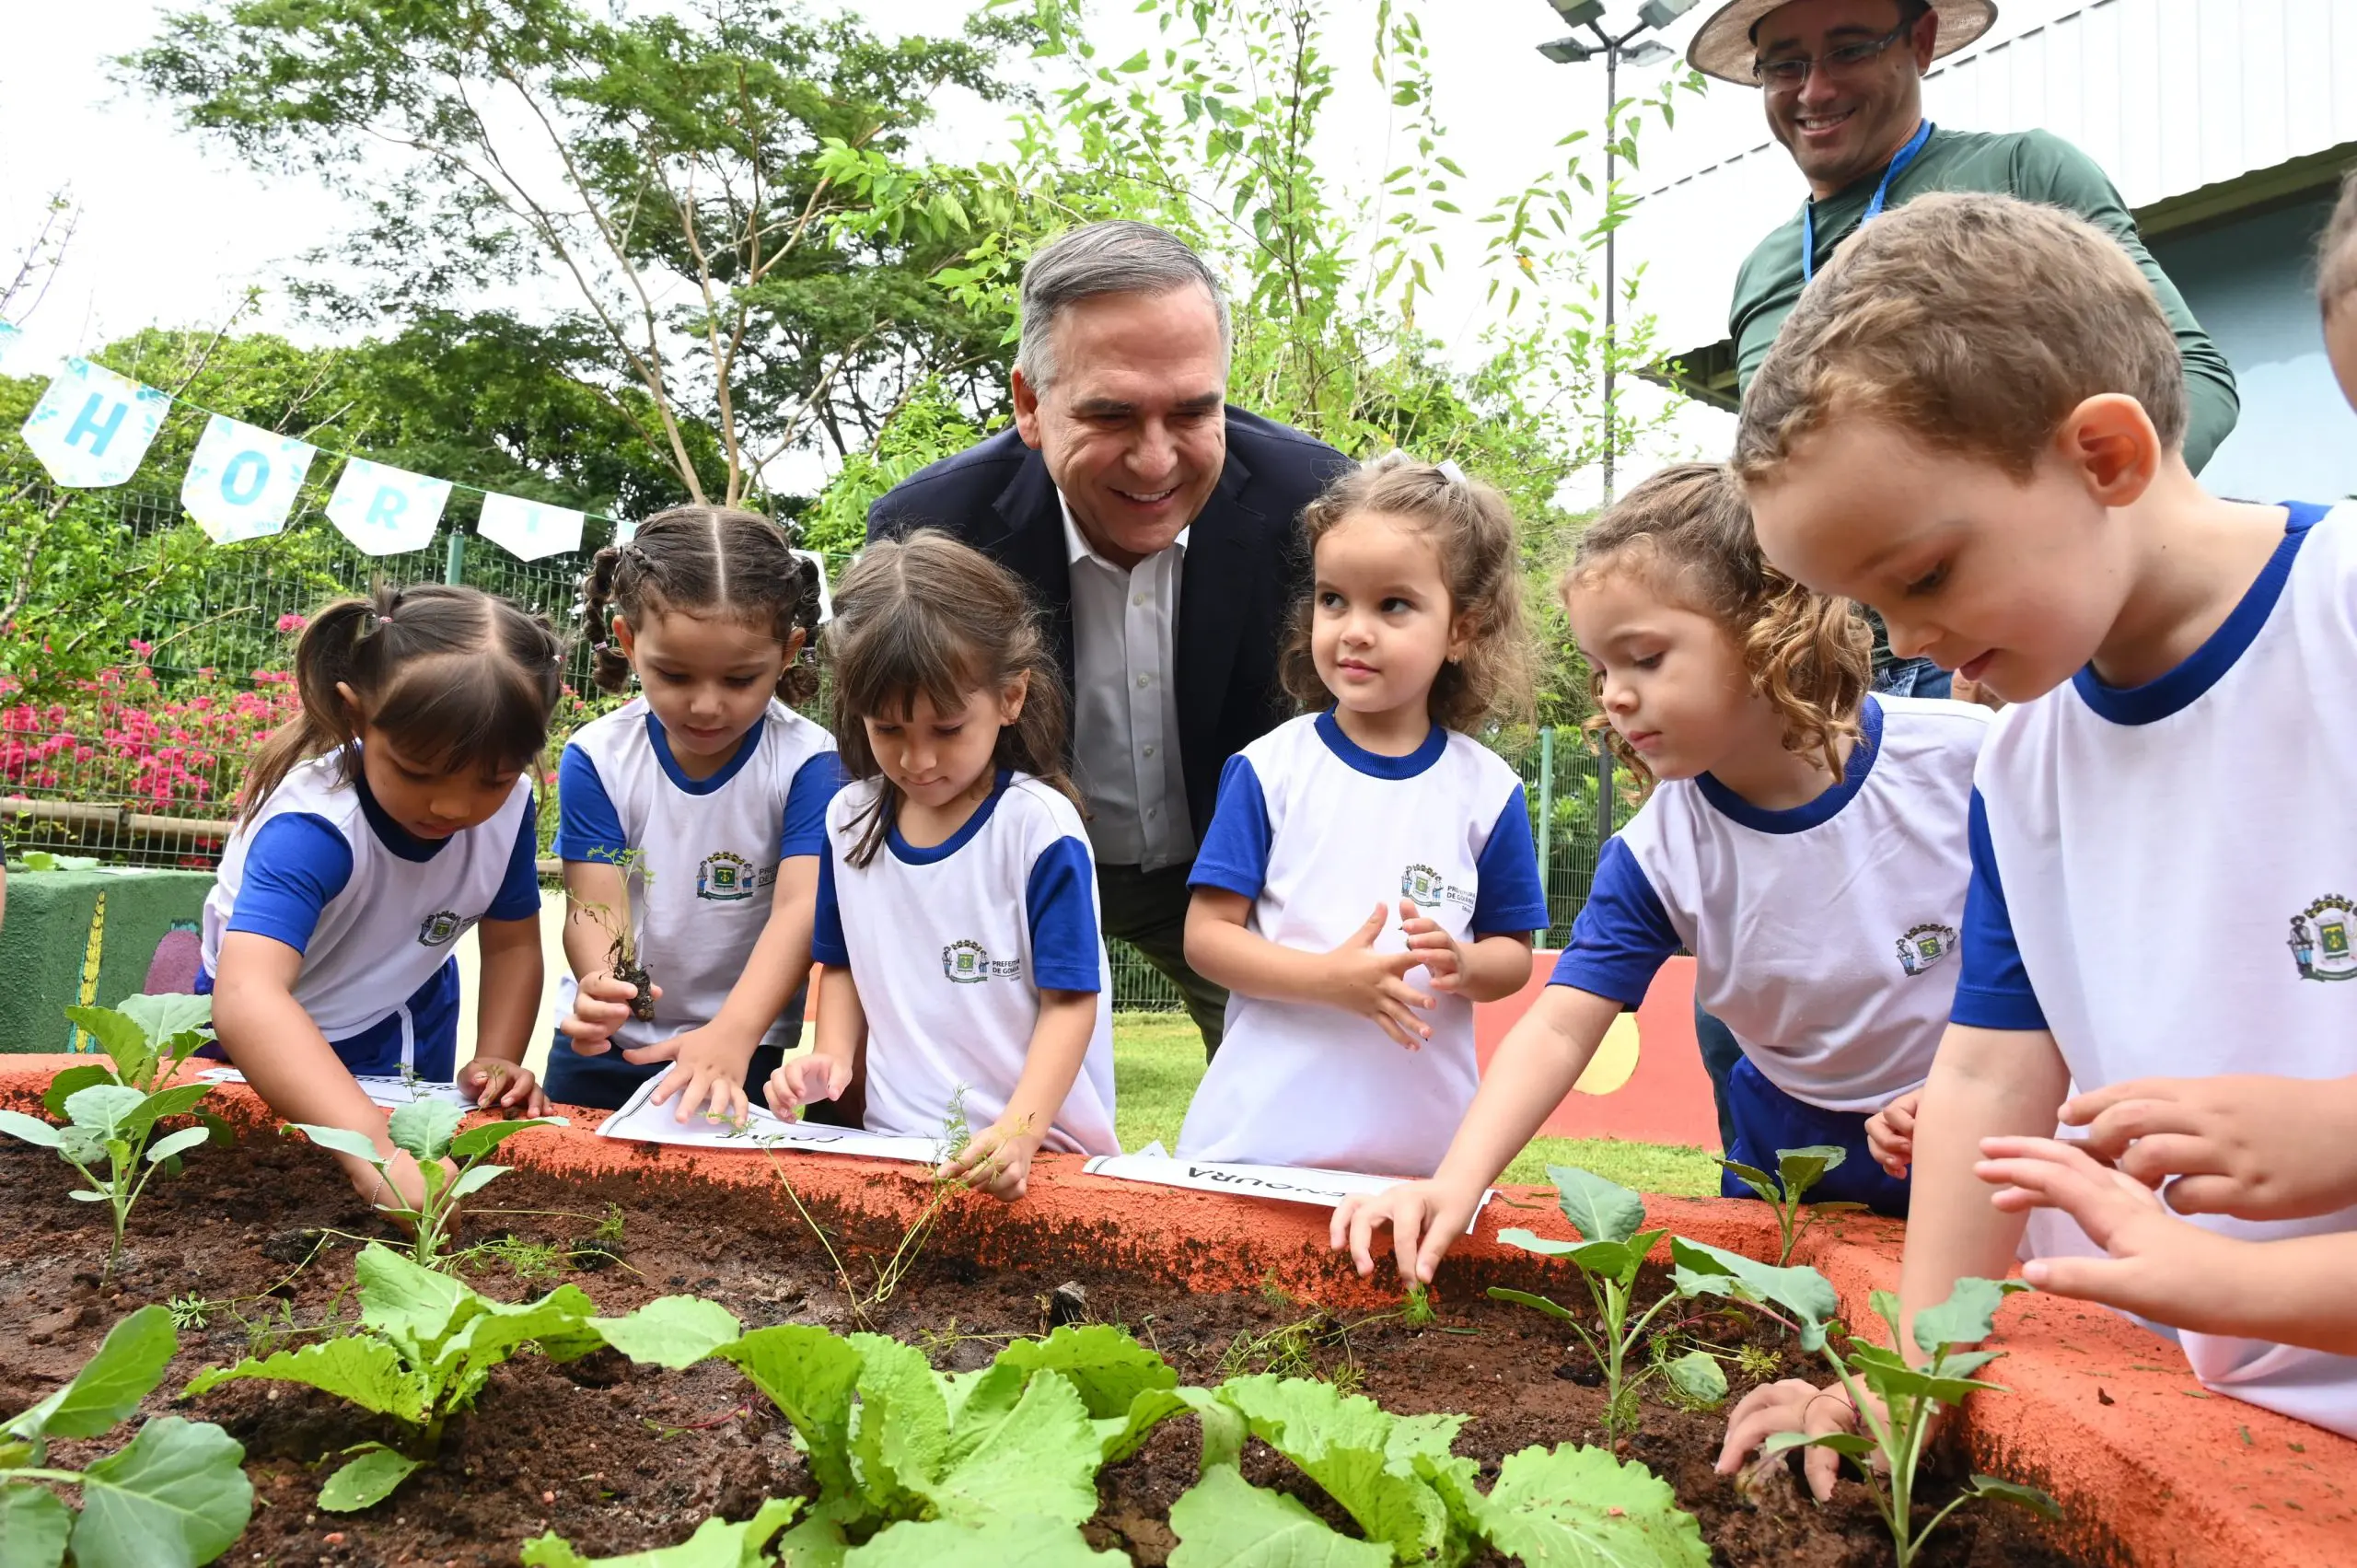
{"x": 376, "y": 1051}
{"x": 1767, "y": 1118}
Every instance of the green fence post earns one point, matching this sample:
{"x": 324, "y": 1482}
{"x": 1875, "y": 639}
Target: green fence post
{"x": 453, "y": 558}
{"x": 1603, "y": 791}
{"x": 1546, "y": 795}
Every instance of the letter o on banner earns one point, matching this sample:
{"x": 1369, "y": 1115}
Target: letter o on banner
{"x": 243, "y": 480}
{"x": 385, "y": 510}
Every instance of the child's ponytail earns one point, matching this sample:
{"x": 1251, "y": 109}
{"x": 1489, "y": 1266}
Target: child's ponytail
{"x": 608, "y": 667}
{"x": 1810, "y": 656}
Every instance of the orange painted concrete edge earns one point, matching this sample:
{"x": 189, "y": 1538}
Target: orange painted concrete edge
{"x": 2163, "y": 1474}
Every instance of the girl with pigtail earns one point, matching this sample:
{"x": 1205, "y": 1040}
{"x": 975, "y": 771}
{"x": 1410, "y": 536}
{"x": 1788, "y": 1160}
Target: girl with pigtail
{"x": 1804, "y": 838}
{"x": 692, "y": 817}
{"x": 394, "y": 812}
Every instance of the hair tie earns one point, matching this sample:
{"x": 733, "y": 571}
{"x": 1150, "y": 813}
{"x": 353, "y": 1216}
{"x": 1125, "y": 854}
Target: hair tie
{"x": 384, "y": 620}
{"x": 1451, "y": 472}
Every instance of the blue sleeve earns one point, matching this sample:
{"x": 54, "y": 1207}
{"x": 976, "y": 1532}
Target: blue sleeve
{"x": 520, "y": 890}
{"x": 1623, "y": 934}
{"x": 1509, "y": 897}
{"x": 1993, "y": 990}
{"x": 1061, "y": 899}
{"x": 1235, "y": 852}
{"x": 586, "y": 821}
{"x": 827, "y": 920}
{"x": 296, "y": 865}
{"x": 815, "y": 784}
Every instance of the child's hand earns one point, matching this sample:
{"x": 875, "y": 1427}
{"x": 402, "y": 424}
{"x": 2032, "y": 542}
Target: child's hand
{"x": 600, "y": 1005}
{"x": 1890, "y": 1134}
{"x": 997, "y": 1160}
{"x": 1362, "y": 980}
{"x": 494, "y": 1081}
{"x": 1425, "y": 1218}
{"x": 2161, "y": 1267}
{"x": 708, "y": 1074}
{"x": 802, "y": 1079}
{"x": 408, "y": 1185}
{"x": 1794, "y": 1405}
{"x": 1442, "y": 954}
{"x": 2260, "y": 1148}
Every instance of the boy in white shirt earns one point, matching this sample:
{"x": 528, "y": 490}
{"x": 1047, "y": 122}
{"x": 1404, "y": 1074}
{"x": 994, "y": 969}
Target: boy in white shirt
{"x": 1973, "y": 422}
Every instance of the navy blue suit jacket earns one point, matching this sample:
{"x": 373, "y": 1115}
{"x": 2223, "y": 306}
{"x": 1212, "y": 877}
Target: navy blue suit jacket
{"x": 1245, "y": 567}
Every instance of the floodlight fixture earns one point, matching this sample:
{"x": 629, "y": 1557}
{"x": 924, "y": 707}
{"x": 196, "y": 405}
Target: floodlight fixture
{"x": 1651, "y": 51}
{"x": 1567, "y": 51}
{"x": 1579, "y": 13}
{"x": 1661, "y": 13}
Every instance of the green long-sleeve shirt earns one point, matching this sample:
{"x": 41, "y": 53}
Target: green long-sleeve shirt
{"x": 2033, "y": 165}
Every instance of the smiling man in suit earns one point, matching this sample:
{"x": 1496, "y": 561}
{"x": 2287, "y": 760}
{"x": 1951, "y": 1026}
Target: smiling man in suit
{"x": 1160, "y": 532}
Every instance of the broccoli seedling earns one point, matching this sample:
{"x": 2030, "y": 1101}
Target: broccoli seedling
{"x": 1798, "y": 1170}
{"x": 427, "y": 1131}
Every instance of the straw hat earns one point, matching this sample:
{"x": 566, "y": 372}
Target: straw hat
{"x": 1724, "y": 48}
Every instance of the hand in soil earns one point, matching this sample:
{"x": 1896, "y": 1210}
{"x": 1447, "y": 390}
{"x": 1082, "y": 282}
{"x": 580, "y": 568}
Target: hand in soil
{"x": 600, "y": 1005}
{"x": 802, "y": 1079}
{"x": 1374, "y": 985}
{"x": 1890, "y": 1134}
{"x": 2260, "y": 1148}
{"x": 1424, "y": 1218}
{"x": 408, "y": 1186}
{"x": 709, "y": 1078}
{"x": 1792, "y": 1405}
{"x": 997, "y": 1160}
{"x": 495, "y": 1082}
{"x": 2161, "y": 1267}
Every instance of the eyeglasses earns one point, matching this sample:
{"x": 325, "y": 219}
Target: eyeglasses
{"x": 1787, "y": 72}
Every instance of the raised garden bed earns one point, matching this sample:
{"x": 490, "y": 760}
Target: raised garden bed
{"x": 619, "y": 1457}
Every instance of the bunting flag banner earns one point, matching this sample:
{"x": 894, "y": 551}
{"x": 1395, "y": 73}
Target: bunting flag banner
{"x": 92, "y": 426}
{"x": 826, "y": 600}
{"x": 528, "y": 529}
{"x": 243, "y": 480}
{"x": 11, "y": 338}
{"x": 385, "y": 510}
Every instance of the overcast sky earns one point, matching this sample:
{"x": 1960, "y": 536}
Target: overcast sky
{"x": 174, "y": 229}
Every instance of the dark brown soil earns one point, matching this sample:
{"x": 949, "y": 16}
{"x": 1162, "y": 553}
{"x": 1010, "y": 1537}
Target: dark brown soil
{"x": 617, "y": 1458}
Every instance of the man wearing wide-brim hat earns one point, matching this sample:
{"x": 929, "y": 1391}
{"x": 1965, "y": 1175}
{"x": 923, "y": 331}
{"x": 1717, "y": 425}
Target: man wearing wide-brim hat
{"x": 1842, "y": 82}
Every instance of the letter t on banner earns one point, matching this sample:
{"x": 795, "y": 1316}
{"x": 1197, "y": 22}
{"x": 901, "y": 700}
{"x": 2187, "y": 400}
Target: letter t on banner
{"x": 242, "y": 481}
{"x": 92, "y": 426}
{"x": 528, "y": 529}
{"x": 386, "y": 511}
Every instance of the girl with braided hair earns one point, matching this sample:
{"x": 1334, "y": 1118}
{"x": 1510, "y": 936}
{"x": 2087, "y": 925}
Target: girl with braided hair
{"x": 699, "y": 808}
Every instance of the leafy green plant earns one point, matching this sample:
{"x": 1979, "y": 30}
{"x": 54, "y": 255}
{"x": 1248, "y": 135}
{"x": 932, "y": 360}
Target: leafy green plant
{"x": 427, "y": 1131}
{"x": 1906, "y": 1399}
{"x": 1610, "y": 1220}
{"x": 38, "y": 860}
{"x": 175, "y": 1496}
{"x": 717, "y": 1543}
{"x": 1798, "y": 1170}
{"x": 427, "y": 1345}
{"x": 109, "y": 1122}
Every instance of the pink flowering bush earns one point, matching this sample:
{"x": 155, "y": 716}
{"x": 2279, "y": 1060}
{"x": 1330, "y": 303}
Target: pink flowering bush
{"x": 122, "y": 739}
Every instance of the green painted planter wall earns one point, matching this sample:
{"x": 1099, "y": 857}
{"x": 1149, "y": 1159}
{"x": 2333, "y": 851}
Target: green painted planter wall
{"x": 150, "y": 925}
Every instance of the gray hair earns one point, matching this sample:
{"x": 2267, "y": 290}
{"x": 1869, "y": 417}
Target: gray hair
{"x": 1118, "y": 256}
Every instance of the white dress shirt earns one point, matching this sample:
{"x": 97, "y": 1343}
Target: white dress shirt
{"x": 1125, "y": 705}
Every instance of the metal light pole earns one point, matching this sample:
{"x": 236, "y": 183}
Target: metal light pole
{"x": 1652, "y": 15}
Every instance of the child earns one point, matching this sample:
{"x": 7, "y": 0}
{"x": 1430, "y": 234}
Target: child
{"x": 1413, "y": 632}
{"x": 1806, "y": 840}
{"x": 718, "y": 789}
{"x": 1973, "y": 420}
{"x": 957, "y": 901}
{"x": 392, "y": 815}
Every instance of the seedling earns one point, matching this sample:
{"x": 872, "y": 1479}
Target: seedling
{"x": 1906, "y": 1401}
{"x": 43, "y": 860}
{"x": 112, "y": 1112}
{"x": 1798, "y": 1170}
{"x": 176, "y": 1492}
{"x": 427, "y": 1131}
{"x": 622, "y": 961}
{"x": 427, "y": 1346}
{"x": 1416, "y": 1312}
{"x": 147, "y": 1039}
{"x": 1610, "y": 1219}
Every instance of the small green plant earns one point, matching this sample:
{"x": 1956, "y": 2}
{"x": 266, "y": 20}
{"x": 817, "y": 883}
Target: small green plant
{"x": 1416, "y": 1312}
{"x": 623, "y": 959}
{"x": 146, "y": 1039}
{"x": 111, "y": 1112}
{"x": 1610, "y": 1220}
{"x": 43, "y": 860}
{"x": 427, "y": 1131}
{"x": 426, "y": 1346}
{"x": 1906, "y": 1401}
{"x": 176, "y": 1494}
{"x": 1798, "y": 1170}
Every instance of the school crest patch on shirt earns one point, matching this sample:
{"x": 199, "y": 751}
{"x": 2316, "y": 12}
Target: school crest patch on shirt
{"x": 726, "y": 878}
{"x": 1924, "y": 945}
{"x": 441, "y": 928}
{"x": 2324, "y": 939}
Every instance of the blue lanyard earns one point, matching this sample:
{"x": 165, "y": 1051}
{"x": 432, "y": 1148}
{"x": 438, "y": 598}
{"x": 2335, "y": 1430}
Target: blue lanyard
{"x": 1874, "y": 208}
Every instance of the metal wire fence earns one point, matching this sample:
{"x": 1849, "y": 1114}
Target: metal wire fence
{"x": 140, "y": 764}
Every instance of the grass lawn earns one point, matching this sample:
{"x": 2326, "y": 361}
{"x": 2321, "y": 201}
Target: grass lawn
{"x": 1158, "y": 1058}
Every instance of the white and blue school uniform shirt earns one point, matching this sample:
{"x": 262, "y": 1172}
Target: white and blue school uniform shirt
{"x": 1822, "y": 935}
{"x": 1315, "y": 831}
{"x": 2164, "y": 878}
{"x": 950, "y": 946}
{"x": 712, "y": 846}
{"x": 374, "y": 910}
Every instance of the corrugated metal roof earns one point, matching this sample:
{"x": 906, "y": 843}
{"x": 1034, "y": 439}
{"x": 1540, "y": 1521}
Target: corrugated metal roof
{"x": 2168, "y": 96}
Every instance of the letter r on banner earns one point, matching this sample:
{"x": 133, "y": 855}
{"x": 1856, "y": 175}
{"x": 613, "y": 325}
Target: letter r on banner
{"x": 385, "y": 510}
